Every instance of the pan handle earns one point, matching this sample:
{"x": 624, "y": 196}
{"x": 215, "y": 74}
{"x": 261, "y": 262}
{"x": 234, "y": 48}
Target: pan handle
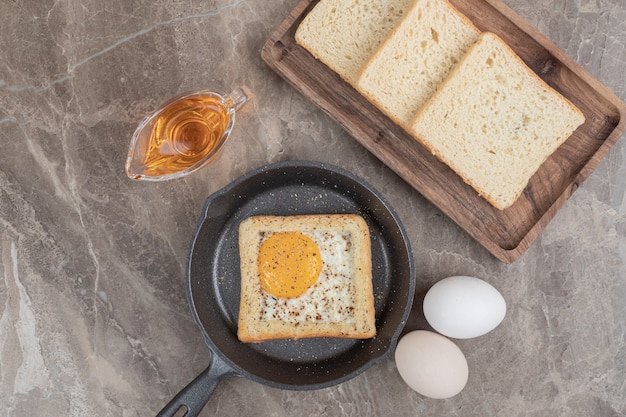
{"x": 196, "y": 394}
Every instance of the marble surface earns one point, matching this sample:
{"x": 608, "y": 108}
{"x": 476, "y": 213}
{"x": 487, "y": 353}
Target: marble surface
{"x": 94, "y": 319}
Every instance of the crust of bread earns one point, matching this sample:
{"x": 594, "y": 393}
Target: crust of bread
{"x": 255, "y": 325}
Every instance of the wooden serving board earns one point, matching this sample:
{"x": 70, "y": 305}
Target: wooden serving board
{"x": 507, "y": 234}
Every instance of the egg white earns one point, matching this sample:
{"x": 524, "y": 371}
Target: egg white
{"x": 331, "y": 298}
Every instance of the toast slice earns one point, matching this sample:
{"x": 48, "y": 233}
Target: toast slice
{"x": 340, "y": 303}
{"x": 406, "y": 69}
{"x": 494, "y": 121}
{"x": 343, "y": 33}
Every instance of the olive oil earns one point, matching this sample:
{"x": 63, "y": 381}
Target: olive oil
{"x": 184, "y": 134}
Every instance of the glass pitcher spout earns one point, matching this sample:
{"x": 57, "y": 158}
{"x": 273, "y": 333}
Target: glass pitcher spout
{"x": 238, "y": 97}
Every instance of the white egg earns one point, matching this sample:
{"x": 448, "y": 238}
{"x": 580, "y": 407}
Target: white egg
{"x": 464, "y": 307}
{"x": 431, "y": 364}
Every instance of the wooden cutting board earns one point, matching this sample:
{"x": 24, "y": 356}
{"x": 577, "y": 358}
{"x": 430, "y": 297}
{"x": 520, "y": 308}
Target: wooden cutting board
{"x": 506, "y": 234}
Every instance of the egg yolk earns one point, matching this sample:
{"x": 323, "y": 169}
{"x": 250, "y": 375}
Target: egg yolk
{"x": 289, "y": 263}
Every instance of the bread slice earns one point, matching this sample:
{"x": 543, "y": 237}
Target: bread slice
{"x": 339, "y": 304}
{"x": 494, "y": 121}
{"x": 406, "y": 69}
{"x": 343, "y": 33}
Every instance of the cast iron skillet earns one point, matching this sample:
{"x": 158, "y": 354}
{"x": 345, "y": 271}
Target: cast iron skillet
{"x": 289, "y": 188}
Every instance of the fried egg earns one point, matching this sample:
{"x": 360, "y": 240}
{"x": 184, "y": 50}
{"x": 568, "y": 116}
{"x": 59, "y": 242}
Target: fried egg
{"x": 303, "y": 289}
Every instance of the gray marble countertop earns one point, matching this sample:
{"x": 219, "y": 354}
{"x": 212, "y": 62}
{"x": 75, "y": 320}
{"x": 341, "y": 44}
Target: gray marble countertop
{"x": 94, "y": 319}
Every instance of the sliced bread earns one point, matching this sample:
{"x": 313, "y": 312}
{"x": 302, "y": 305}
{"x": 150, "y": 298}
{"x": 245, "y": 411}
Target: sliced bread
{"x": 337, "y": 302}
{"x": 407, "y": 67}
{"x": 494, "y": 121}
{"x": 344, "y": 33}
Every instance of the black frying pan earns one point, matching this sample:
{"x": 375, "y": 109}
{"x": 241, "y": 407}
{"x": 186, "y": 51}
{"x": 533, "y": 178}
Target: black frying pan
{"x": 213, "y": 286}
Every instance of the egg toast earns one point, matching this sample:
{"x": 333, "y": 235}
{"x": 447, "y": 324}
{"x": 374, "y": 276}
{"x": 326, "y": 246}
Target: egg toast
{"x": 305, "y": 276}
